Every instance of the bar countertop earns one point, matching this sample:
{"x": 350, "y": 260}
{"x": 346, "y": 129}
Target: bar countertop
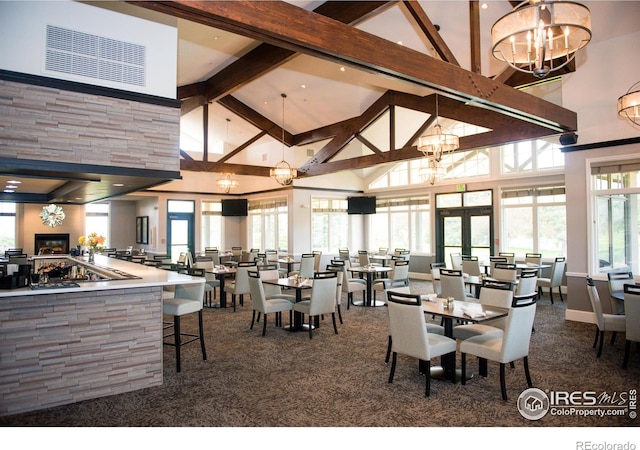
{"x": 146, "y": 276}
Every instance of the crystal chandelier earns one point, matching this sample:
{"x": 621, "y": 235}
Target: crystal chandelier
{"x": 227, "y": 183}
{"x": 434, "y": 146}
{"x": 540, "y": 36}
{"x": 629, "y": 104}
{"x": 282, "y": 172}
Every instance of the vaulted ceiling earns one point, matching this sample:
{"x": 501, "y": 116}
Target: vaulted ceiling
{"x": 243, "y": 55}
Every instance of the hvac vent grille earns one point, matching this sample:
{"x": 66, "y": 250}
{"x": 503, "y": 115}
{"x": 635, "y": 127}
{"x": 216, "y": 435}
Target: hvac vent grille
{"x": 91, "y": 56}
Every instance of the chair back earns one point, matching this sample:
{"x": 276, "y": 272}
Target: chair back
{"x": 435, "y": 276}
{"x": 383, "y": 251}
{"x": 496, "y": 293}
{"x": 533, "y": 258}
{"x": 307, "y": 264}
{"x": 397, "y": 286}
{"x": 340, "y": 274}
{"x": 505, "y": 272}
{"x": 194, "y": 291}
{"x": 256, "y": 290}
{"x": 528, "y": 282}
{"x": 518, "y": 328}
{"x": 399, "y": 270}
{"x": 496, "y": 259}
{"x": 272, "y": 256}
{"x": 407, "y": 326}
{"x": 363, "y": 257}
{"x": 343, "y": 253}
{"x": 617, "y": 280}
{"x": 452, "y": 284}
{"x": 268, "y": 272}
{"x": 595, "y": 303}
{"x": 214, "y": 254}
{"x": 317, "y": 254}
{"x": 242, "y": 277}
{"x": 456, "y": 261}
{"x": 557, "y": 271}
{"x": 511, "y": 257}
{"x": 632, "y": 312}
{"x": 323, "y": 293}
{"x": 471, "y": 265}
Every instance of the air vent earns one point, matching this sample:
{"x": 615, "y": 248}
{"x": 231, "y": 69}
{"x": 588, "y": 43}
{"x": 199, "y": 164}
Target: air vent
{"x": 310, "y": 152}
{"x": 97, "y": 57}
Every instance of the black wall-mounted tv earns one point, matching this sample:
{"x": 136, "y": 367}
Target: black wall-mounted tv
{"x": 361, "y": 205}
{"x": 235, "y": 207}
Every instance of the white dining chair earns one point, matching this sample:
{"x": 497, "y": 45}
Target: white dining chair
{"x": 604, "y": 322}
{"x": 632, "y": 320}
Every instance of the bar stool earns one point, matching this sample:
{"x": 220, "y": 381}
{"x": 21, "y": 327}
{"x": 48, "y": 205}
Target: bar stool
{"x": 188, "y": 298}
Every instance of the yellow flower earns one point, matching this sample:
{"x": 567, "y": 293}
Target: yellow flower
{"x": 93, "y": 240}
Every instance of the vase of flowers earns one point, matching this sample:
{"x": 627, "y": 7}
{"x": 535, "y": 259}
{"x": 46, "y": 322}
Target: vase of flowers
{"x": 94, "y": 243}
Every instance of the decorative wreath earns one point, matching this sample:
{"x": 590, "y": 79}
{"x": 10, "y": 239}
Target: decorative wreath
{"x": 52, "y": 215}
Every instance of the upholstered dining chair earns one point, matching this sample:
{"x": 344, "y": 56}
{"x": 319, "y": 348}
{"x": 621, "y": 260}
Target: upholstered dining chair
{"x": 212, "y": 282}
{"x": 317, "y": 254}
{"x": 350, "y": 285}
{"x": 616, "y": 282}
{"x": 632, "y": 320}
{"x": 504, "y": 272}
{"x": 604, "y": 322}
{"x": 452, "y": 285}
{"x": 187, "y": 299}
{"x": 533, "y": 258}
{"x": 492, "y": 293}
{"x": 409, "y": 334}
{"x": 399, "y": 271}
{"x": 527, "y": 282}
{"x": 307, "y": 264}
{"x": 363, "y": 257}
{"x": 274, "y": 305}
{"x": 496, "y": 259}
{"x": 402, "y": 286}
{"x": 435, "y": 276}
{"x": 471, "y": 265}
{"x": 340, "y": 275}
{"x": 322, "y": 300}
{"x": 511, "y": 346}
{"x": 511, "y": 257}
{"x": 555, "y": 280}
{"x": 240, "y": 286}
{"x": 456, "y": 261}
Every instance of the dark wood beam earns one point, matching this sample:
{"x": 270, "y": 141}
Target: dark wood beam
{"x": 267, "y": 57}
{"x": 241, "y": 147}
{"x": 430, "y": 31}
{"x": 288, "y": 26}
{"x": 474, "y": 32}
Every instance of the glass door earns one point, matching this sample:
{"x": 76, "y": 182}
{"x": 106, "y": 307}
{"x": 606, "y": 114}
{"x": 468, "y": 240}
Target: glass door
{"x": 180, "y": 228}
{"x": 464, "y": 224}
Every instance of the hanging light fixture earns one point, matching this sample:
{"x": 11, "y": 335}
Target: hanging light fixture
{"x": 434, "y": 146}
{"x": 629, "y": 104}
{"x": 538, "y": 34}
{"x": 227, "y": 183}
{"x": 282, "y": 172}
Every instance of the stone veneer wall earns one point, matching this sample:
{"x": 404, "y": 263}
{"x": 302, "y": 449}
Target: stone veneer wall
{"x": 63, "y": 348}
{"x": 44, "y": 123}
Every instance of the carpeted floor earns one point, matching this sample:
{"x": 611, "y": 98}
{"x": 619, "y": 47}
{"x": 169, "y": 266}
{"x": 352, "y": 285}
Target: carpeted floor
{"x": 287, "y": 380}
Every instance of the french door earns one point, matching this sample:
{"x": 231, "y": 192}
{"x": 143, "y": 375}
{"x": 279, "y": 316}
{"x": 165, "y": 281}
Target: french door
{"x": 180, "y": 228}
{"x": 464, "y": 224}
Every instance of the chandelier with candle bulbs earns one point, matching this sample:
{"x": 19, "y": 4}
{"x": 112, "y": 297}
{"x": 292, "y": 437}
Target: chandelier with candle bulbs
{"x": 226, "y": 183}
{"x": 434, "y": 146}
{"x": 539, "y": 37}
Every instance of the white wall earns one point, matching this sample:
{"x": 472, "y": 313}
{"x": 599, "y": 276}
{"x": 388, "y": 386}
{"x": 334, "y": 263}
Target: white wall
{"x": 23, "y": 35}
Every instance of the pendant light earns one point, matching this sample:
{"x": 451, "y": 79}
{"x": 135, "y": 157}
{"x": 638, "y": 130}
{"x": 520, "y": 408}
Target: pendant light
{"x": 282, "y": 172}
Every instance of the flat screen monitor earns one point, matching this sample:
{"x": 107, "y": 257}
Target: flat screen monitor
{"x": 235, "y": 207}
{"x": 361, "y": 205}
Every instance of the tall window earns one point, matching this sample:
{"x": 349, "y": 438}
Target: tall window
{"x": 401, "y": 223}
{"x": 534, "y": 220}
{"x": 96, "y": 220}
{"x": 211, "y": 224}
{"x": 616, "y": 216}
{"x": 530, "y": 156}
{"x": 268, "y": 222}
{"x": 329, "y": 224}
{"x": 7, "y": 226}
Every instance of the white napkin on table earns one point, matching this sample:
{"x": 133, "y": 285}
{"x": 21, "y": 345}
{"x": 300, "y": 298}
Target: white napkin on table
{"x": 473, "y": 313}
{"x": 305, "y": 282}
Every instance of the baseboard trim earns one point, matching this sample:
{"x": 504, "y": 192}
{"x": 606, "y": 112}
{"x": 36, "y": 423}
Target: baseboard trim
{"x": 579, "y": 316}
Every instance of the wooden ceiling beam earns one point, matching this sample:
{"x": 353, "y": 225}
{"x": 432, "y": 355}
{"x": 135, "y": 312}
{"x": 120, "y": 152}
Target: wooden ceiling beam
{"x": 430, "y": 31}
{"x": 474, "y": 32}
{"x": 267, "y": 57}
{"x": 288, "y": 26}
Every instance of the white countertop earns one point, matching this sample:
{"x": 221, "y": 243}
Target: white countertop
{"x": 148, "y": 276}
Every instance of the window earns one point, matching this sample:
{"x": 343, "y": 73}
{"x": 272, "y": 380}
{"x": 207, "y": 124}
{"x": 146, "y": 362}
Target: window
{"x": 616, "y": 200}
{"x": 211, "y": 224}
{"x": 7, "y": 226}
{"x": 401, "y": 223}
{"x": 534, "y": 220}
{"x": 96, "y": 220}
{"x": 268, "y": 222}
{"x": 329, "y": 224}
{"x": 530, "y": 156}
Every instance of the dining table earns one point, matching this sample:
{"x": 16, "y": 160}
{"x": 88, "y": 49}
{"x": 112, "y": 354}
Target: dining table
{"x": 382, "y": 259}
{"x": 370, "y": 273}
{"x": 221, "y": 272}
{"x": 289, "y": 262}
{"x": 467, "y": 311}
{"x": 299, "y": 285}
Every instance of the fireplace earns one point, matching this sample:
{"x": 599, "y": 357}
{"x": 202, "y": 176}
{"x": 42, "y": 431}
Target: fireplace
{"x": 51, "y": 243}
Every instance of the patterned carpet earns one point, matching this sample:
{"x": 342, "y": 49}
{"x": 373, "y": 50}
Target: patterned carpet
{"x": 287, "y": 380}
